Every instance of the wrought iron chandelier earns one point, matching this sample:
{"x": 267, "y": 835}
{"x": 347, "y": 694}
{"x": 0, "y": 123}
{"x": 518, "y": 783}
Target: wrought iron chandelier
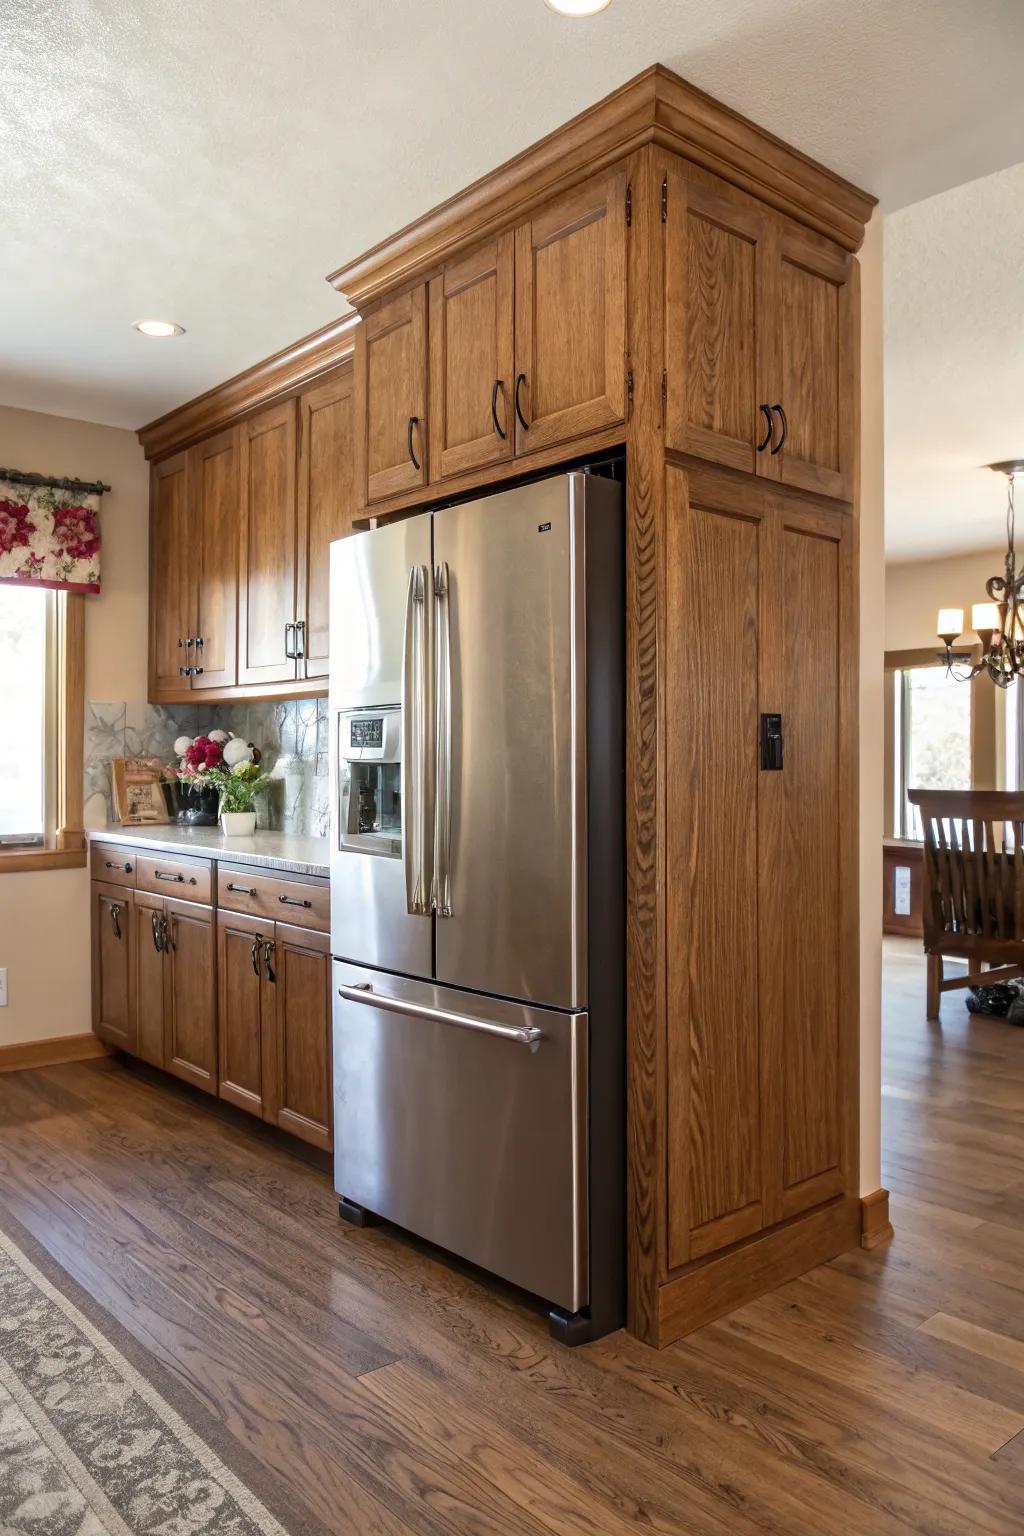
{"x": 999, "y": 624}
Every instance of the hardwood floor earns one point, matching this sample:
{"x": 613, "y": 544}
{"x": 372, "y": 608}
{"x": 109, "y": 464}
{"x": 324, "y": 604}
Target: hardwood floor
{"x": 883, "y": 1393}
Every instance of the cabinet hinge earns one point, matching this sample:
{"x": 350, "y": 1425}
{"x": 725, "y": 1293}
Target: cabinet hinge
{"x": 664, "y": 200}
{"x": 629, "y": 204}
{"x": 629, "y": 391}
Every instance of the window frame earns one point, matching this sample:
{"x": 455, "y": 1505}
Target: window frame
{"x": 64, "y": 846}
{"x": 896, "y": 732}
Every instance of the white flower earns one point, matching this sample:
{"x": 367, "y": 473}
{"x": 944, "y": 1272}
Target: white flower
{"x": 220, "y": 736}
{"x": 236, "y": 751}
{"x": 181, "y": 745}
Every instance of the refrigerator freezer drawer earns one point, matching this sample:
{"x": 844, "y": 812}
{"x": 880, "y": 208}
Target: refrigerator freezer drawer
{"x": 463, "y": 1119}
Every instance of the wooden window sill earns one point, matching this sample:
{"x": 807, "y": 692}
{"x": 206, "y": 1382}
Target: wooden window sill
{"x": 19, "y": 860}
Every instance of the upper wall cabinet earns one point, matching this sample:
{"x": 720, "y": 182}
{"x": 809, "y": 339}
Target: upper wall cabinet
{"x": 472, "y": 360}
{"x": 758, "y": 338}
{"x": 325, "y": 510}
{"x": 571, "y": 315}
{"x": 269, "y": 547}
{"x": 214, "y": 486}
{"x": 171, "y": 569}
{"x": 391, "y": 397}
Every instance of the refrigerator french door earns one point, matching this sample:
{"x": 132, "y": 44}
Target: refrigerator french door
{"x": 476, "y": 885}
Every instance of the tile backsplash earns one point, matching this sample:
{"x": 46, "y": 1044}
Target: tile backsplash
{"x": 292, "y": 735}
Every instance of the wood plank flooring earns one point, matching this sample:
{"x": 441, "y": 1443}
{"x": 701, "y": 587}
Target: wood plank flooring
{"x": 393, "y": 1395}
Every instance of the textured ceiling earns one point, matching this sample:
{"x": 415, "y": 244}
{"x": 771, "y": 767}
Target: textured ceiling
{"x": 209, "y": 161}
{"x": 954, "y": 366}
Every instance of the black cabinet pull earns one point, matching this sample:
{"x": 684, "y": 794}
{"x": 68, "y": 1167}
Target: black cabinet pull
{"x": 115, "y": 914}
{"x": 785, "y": 429}
{"x": 158, "y": 938}
{"x": 498, "y": 384}
{"x": 256, "y": 958}
{"x": 268, "y": 950}
{"x": 113, "y": 864}
{"x": 769, "y": 428}
{"x": 771, "y": 743}
{"x": 413, "y": 422}
{"x": 293, "y": 901}
{"x": 520, "y": 381}
{"x": 289, "y": 646}
{"x": 243, "y": 890}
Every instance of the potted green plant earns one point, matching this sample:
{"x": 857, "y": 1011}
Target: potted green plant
{"x": 238, "y": 786}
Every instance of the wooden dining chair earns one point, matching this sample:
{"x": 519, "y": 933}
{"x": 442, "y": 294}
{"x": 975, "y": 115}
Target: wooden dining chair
{"x": 974, "y": 885}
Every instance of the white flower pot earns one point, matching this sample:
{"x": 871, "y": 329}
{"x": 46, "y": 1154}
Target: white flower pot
{"x": 238, "y": 823}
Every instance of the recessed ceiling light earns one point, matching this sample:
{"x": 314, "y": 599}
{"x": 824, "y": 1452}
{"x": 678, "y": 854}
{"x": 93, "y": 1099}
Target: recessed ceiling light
{"x": 159, "y": 328}
{"x": 577, "y": 7}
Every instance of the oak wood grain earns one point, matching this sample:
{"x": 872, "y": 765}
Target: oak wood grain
{"x": 268, "y": 547}
{"x": 472, "y": 360}
{"x": 326, "y": 506}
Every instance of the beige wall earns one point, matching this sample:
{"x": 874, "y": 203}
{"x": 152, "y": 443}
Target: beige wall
{"x": 916, "y": 590}
{"x": 44, "y": 918}
{"x": 872, "y": 628}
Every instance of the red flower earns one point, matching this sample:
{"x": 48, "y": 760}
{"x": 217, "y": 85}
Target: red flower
{"x": 14, "y": 525}
{"x": 213, "y": 757}
{"x": 75, "y": 532}
{"x": 196, "y": 754}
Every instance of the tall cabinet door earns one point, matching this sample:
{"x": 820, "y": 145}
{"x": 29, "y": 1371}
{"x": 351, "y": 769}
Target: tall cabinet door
{"x": 190, "y": 1050}
{"x": 171, "y": 576}
{"x": 326, "y": 508}
{"x": 268, "y": 549}
{"x": 391, "y": 397}
{"x": 571, "y": 315}
{"x": 815, "y": 309}
{"x": 714, "y": 547}
{"x": 148, "y": 956}
{"x": 808, "y": 868}
{"x": 242, "y": 965}
{"x": 214, "y": 473}
{"x": 113, "y": 1005}
{"x": 716, "y": 392}
{"x": 302, "y": 1034}
{"x": 472, "y": 360}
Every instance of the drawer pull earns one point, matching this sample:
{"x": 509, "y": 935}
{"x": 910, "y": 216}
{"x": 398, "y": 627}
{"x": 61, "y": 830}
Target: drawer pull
{"x": 114, "y": 864}
{"x": 174, "y": 879}
{"x": 242, "y": 890}
{"x": 293, "y": 901}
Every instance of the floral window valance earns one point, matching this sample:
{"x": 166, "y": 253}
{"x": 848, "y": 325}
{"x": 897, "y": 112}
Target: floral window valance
{"x": 49, "y": 532}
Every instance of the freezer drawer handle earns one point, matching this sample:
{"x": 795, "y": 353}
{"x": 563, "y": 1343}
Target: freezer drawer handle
{"x": 362, "y": 992}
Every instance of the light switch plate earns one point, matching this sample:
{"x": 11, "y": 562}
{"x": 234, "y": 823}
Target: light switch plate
{"x": 3, "y": 986}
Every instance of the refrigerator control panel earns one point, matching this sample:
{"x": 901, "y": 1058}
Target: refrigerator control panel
{"x": 371, "y": 736}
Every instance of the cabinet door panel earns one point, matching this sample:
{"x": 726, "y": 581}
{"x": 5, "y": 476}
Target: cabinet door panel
{"x": 147, "y": 952}
{"x": 391, "y": 397}
{"x": 715, "y": 252}
{"x": 303, "y": 1027}
{"x": 214, "y": 480}
{"x": 113, "y": 1008}
{"x": 240, "y": 984}
{"x": 472, "y": 345}
{"x": 711, "y": 766}
{"x": 571, "y": 314}
{"x": 171, "y": 576}
{"x": 807, "y": 1031}
{"x": 268, "y": 552}
{"x": 190, "y": 1049}
{"x": 817, "y": 315}
{"x": 326, "y": 507}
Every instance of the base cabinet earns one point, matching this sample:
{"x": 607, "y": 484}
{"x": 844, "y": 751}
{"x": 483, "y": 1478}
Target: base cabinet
{"x": 190, "y": 998}
{"x": 113, "y": 1011}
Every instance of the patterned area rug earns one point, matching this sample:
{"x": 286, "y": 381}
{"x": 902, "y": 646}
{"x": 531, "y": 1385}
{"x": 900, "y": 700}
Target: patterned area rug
{"x": 88, "y": 1445}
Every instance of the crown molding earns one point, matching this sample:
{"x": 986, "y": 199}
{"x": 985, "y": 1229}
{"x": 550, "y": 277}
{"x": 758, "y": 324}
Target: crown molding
{"x": 274, "y": 378}
{"x": 656, "y": 107}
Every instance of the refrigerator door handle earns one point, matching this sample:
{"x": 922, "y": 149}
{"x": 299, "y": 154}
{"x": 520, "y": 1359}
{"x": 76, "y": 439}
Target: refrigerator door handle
{"x": 525, "y": 1034}
{"x": 440, "y": 887}
{"x": 414, "y": 744}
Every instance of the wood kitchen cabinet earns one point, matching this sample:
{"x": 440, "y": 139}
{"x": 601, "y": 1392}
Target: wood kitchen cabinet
{"x": 325, "y": 510}
{"x": 762, "y": 1023}
{"x": 148, "y": 943}
{"x": 268, "y": 548}
{"x": 472, "y": 360}
{"x": 171, "y": 576}
{"x": 214, "y": 497}
{"x": 759, "y": 337}
{"x": 246, "y": 1009}
{"x": 113, "y": 971}
{"x": 391, "y": 397}
{"x": 190, "y": 994}
{"x": 570, "y": 275}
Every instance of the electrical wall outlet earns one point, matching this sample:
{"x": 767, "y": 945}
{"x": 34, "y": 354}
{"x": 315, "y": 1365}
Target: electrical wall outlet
{"x": 3, "y": 986}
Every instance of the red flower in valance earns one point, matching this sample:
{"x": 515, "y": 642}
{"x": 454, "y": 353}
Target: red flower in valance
{"x": 14, "y": 525}
{"x": 75, "y": 532}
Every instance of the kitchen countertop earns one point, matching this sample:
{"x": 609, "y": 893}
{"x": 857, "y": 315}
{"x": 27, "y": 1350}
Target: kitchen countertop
{"x": 269, "y": 850}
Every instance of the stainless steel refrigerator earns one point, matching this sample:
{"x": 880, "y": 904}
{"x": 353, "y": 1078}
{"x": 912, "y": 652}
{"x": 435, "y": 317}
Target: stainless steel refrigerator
{"x": 477, "y": 901}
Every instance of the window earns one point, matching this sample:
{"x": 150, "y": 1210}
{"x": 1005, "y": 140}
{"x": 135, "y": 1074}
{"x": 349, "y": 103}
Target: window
{"x": 932, "y": 738}
{"x": 42, "y": 646}
{"x": 27, "y": 675}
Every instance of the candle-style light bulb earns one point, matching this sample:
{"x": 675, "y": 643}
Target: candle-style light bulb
{"x": 984, "y": 618}
{"x": 951, "y": 624}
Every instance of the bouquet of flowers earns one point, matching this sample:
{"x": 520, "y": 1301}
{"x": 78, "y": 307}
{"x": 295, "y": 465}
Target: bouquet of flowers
{"x": 222, "y": 762}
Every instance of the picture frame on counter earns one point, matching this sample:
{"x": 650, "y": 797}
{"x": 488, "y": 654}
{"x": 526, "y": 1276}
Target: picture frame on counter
{"x": 138, "y": 791}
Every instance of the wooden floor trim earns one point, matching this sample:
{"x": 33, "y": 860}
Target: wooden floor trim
{"x": 875, "y": 1225}
{"x": 51, "y": 1053}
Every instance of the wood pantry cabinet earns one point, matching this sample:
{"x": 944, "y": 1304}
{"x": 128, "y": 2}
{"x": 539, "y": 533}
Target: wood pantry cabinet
{"x": 240, "y": 526}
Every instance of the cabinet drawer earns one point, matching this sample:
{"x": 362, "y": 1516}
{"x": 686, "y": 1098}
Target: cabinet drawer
{"x": 288, "y": 901}
{"x": 187, "y": 879}
{"x": 112, "y": 863}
